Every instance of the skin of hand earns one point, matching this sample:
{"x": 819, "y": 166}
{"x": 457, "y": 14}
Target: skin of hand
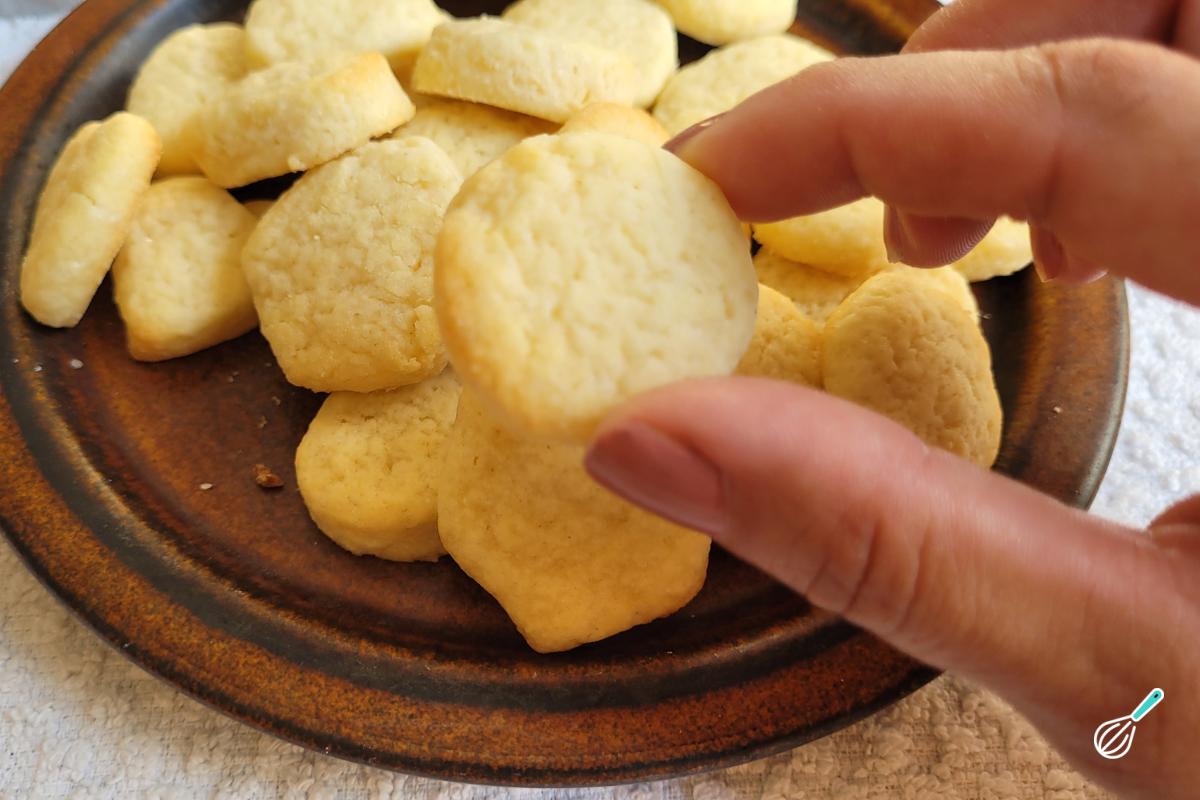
{"x": 1080, "y": 117}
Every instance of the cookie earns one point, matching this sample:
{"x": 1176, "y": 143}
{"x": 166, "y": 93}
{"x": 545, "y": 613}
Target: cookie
{"x": 178, "y": 280}
{"x": 569, "y": 562}
{"x": 725, "y": 21}
{"x": 1005, "y": 250}
{"x": 786, "y": 344}
{"x": 471, "y": 134}
{"x": 297, "y": 30}
{"x": 815, "y": 293}
{"x": 520, "y": 68}
{"x": 341, "y": 268}
{"x": 638, "y": 29}
{"x": 297, "y": 115}
{"x": 368, "y": 468}
{"x": 729, "y": 75}
{"x": 185, "y": 72}
{"x": 913, "y": 354}
{"x": 580, "y": 269}
{"x": 846, "y": 241}
{"x": 84, "y": 214}
{"x": 620, "y": 120}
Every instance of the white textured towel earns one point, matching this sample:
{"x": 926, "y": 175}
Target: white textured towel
{"x": 78, "y": 720}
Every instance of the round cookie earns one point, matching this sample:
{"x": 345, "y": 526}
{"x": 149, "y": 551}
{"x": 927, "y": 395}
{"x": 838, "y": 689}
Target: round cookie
{"x": 188, "y": 69}
{"x": 578, "y": 270}
{"x": 918, "y": 357}
{"x": 846, "y": 241}
{"x": 471, "y": 134}
{"x": 725, "y": 21}
{"x": 178, "y": 280}
{"x": 297, "y": 115}
{"x": 620, "y": 120}
{"x": 815, "y": 293}
{"x": 341, "y": 268}
{"x": 786, "y": 345}
{"x": 638, "y": 29}
{"x": 297, "y": 30}
{"x": 83, "y": 215}
{"x": 369, "y": 464}
{"x": 520, "y": 68}
{"x": 729, "y": 75}
{"x": 570, "y": 562}
{"x": 1005, "y": 250}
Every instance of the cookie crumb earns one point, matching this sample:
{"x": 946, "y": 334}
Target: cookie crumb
{"x": 37, "y": 367}
{"x": 266, "y": 478}
{"x": 1057, "y": 409}
{"x": 204, "y": 487}
{"x": 75, "y": 363}
{"x": 276, "y": 400}
{"x": 262, "y": 423}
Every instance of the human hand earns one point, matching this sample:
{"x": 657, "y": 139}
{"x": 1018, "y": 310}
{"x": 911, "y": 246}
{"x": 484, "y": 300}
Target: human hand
{"x": 1094, "y": 142}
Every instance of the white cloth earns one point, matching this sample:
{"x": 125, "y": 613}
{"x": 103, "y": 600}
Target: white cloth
{"x": 78, "y": 720}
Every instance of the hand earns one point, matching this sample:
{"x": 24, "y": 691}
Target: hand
{"x": 1095, "y": 142}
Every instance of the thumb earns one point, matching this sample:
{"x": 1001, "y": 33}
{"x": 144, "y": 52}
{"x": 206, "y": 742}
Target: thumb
{"x": 960, "y": 568}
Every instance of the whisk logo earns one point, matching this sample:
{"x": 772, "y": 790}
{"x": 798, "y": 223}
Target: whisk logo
{"x": 1114, "y": 738}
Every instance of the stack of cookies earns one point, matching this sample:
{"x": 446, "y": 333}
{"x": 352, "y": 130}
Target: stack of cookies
{"x": 491, "y": 194}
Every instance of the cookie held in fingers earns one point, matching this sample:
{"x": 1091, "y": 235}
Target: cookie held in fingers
{"x": 368, "y": 468}
{"x": 83, "y": 215}
{"x": 297, "y": 30}
{"x": 190, "y": 68}
{"x": 1005, "y": 250}
{"x": 298, "y": 115}
{"x": 578, "y": 270}
{"x": 570, "y": 562}
{"x": 521, "y": 68}
{"x": 729, "y": 75}
{"x": 178, "y": 280}
{"x": 911, "y": 352}
{"x": 638, "y": 29}
{"x": 341, "y": 268}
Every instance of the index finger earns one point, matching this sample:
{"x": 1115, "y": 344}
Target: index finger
{"x": 1085, "y": 139}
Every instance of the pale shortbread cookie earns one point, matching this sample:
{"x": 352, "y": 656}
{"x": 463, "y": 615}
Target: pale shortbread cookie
{"x": 368, "y": 468}
{"x": 1005, "y": 250}
{"x": 786, "y": 345}
{"x": 341, "y": 268}
{"x": 297, "y": 115}
{"x": 846, "y": 241}
{"x": 521, "y": 68}
{"x": 725, "y": 21}
{"x": 815, "y": 292}
{"x": 729, "y": 75}
{"x": 621, "y": 120}
{"x": 178, "y": 280}
{"x": 188, "y": 69}
{"x": 578, "y": 270}
{"x": 570, "y": 562}
{"x": 471, "y": 134}
{"x": 297, "y": 30}
{"x": 83, "y": 215}
{"x": 259, "y": 207}
{"x": 912, "y": 353}
{"x": 638, "y": 29}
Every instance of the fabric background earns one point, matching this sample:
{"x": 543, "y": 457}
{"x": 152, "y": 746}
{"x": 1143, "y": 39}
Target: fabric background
{"x": 78, "y": 720}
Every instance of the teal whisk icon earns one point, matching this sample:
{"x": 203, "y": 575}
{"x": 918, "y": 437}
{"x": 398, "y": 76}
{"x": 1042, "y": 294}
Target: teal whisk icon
{"x": 1114, "y": 738}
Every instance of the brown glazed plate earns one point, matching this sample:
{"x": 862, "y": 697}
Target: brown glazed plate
{"x": 233, "y": 595}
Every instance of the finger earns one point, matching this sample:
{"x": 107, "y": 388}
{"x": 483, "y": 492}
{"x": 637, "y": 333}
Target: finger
{"x": 961, "y": 568}
{"x": 1084, "y": 139}
{"x": 1002, "y": 24}
{"x": 930, "y": 241}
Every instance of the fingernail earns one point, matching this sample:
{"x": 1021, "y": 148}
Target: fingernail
{"x": 676, "y": 144}
{"x": 658, "y": 473}
{"x": 1049, "y": 258}
{"x": 895, "y": 237}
